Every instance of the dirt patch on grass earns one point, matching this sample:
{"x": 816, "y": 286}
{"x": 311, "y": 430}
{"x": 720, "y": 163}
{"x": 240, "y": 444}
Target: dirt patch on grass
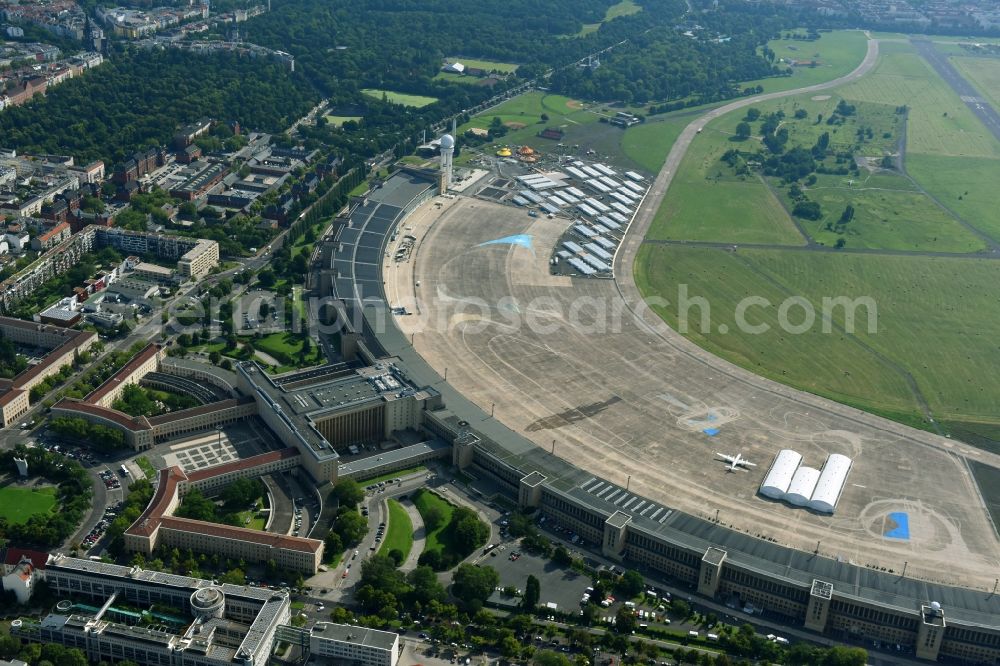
{"x": 573, "y": 104}
{"x": 515, "y": 125}
{"x": 819, "y": 98}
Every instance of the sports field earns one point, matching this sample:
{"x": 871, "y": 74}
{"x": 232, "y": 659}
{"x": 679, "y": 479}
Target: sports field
{"x": 398, "y": 531}
{"x": 340, "y": 120}
{"x": 416, "y": 101}
{"x": 485, "y": 65}
{"x": 17, "y": 504}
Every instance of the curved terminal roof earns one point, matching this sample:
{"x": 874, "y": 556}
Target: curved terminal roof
{"x": 779, "y": 477}
{"x": 802, "y": 486}
{"x": 831, "y": 483}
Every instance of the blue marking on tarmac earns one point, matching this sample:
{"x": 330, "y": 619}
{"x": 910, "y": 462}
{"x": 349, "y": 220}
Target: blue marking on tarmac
{"x": 902, "y": 529}
{"x": 711, "y": 432}
{"x": 524, "y": 240}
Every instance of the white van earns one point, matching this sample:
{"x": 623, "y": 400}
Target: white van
{"x": 693, "y": 634}
{"x": 712, "y": 637}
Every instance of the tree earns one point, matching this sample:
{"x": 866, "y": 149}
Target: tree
{"x": 472, "y": 585}
{"x": 266, "y": 278}
{"x": 348, "y": 492}
{"x": 752, "y": 114}
{"x": 743, "y": 131}
{"x": 561, "y": 556}
{"x": 332, "y": 545}
{"x": 426, "y": 587}
{"x": 808, "y": 210}
{"x": 630, "y": 584}
{"x": 351, "y": 526}
{"x": 233, "y": 576}
{"x": 845, "y": 656}
{"x": 510, "y": 647}
{"x": 433, "y": 517}
{"x": 532, "y": 593}
{"x": 625, "y": 620}
{"x": 847, "y": 215}
{"x": 215, "y": 357}
{"x": 681, "y": 608}
{"x": 550, "y": 658}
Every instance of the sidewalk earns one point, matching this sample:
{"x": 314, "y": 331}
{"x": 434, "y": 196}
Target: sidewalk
{"x": 419, "y": 536}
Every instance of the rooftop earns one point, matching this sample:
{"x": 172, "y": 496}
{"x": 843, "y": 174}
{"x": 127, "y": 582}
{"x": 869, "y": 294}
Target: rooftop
{"x": 347, "y": 633}
{"x": 241, "y": 534}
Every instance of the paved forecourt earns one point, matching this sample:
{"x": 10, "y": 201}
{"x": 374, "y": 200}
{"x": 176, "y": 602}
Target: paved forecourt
{"x": 629, "y": 400}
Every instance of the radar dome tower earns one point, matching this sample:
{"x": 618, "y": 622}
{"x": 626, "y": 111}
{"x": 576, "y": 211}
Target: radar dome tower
{"x": 447, "y": 150}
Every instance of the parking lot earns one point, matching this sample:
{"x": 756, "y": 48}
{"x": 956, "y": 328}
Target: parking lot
{"x": 559, "y": 585}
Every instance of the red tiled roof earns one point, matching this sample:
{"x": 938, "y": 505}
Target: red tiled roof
{"x": 242, "y": 534}
{"x": 74, "y": 339}
{"x": 246, "y": 463}
{"x": 13, "y": 555}
{"x": 59, "y": 228}
{"x": 166, "y": 490}
{"x": 113, "y": 415}
{"x": 116, "y": 379}
{"x": 10, "y": 395}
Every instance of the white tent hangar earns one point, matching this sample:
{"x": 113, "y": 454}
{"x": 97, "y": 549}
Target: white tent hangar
{"x": 798, "y": 485}
{"x": 454, "y": 68}
{"x": 802, "y": 486}
{"x": 779, "y": 477}
{"x": 831, "y": 483}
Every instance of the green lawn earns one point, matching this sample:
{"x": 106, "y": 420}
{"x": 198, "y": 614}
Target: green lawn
{"x": 964, "y": 184}
{"x": 146, "y": 467}
{"x": 337, "y": 121}
{"x": 287, "y": 349}
{"x": 487, "y": 65}
{"x": 416, "y": 101}
{"x": 984, "y": 74}
{"x": 622, "y": 8}
{"x": 18, "y": 504}
{"x": 452, "y": 77}
{"x": 836, "y": 53}
{"x": 398, "y": 531}
{"x": 706, "y": 204}
{"x": 889, "y": 213}
{"x": 424, "y": 499}
{"x": 935, "y": 323}
{"x": 649, "y": 143}
{"x": 939, "y": 122}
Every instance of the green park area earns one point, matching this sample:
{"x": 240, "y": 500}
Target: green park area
{"x": 433, "y": 507}
{"x": 241, "y": 504}
{"x": 290, "y": 350}
{"x": 416, "y": 101}
{"x": 18, "y": 504}
{"x": 398, "y": 533}
{"x": 452, "y": 532}
{"x": 831, "y": 56}
{"x": 623, "y": 8}
{"x": 823, "y": 175}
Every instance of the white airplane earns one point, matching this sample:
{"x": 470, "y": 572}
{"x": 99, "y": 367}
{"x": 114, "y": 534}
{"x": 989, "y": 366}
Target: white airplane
{"x": 736, "y": 463}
